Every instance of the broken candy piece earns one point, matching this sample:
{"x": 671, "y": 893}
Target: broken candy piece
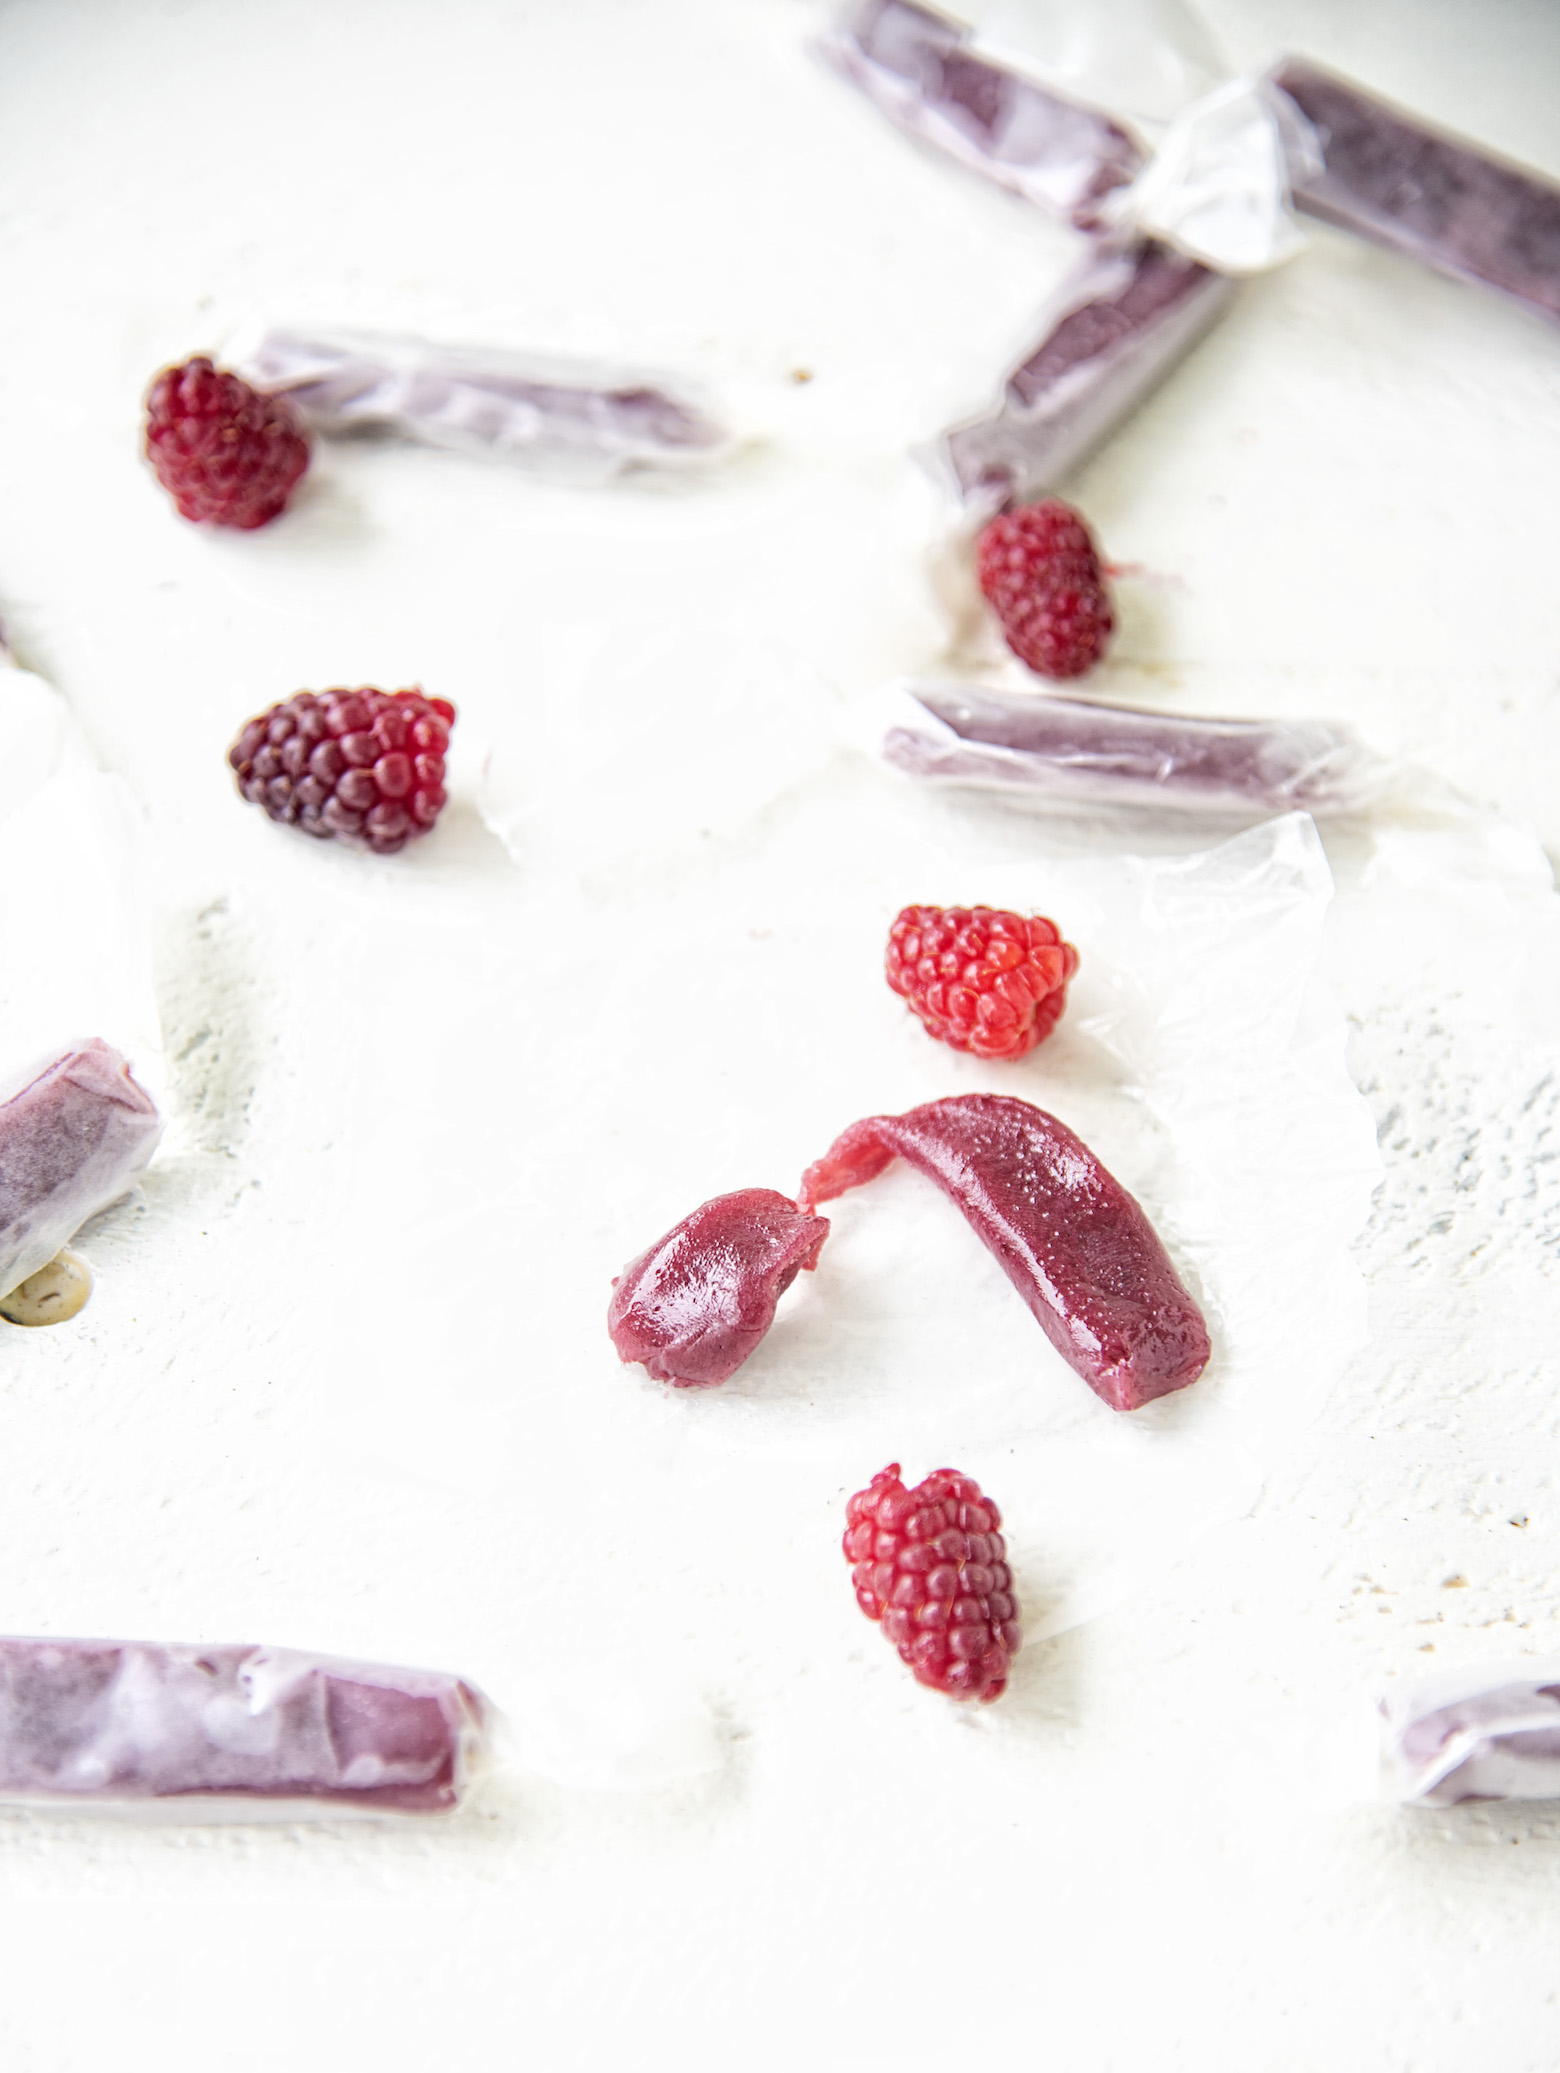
{"x": 73, "y": 1138}
{"x": 1389, "y": 177}
{"x": 54, "y": 1295}
{"x": 1079, "y": 753}
{"x": 591, "y": 421}
{"x": 1114, "y": 330}
{"x": 1487, "y": 1731}
{"x": 1073, "y": 1242}
{"x": 922, "y": 70}
{"x": 696, "y": 1304}
{"x": 135, "y": 1720}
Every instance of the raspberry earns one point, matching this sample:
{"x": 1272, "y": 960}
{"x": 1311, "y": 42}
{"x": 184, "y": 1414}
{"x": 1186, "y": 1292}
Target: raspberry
{"x": 928, "y": 1563}
{"x": 1041, "y": 575}
{"x": 220, "y": 449}
{"x": 981, "y": 979}
{"x": 364, "y": 766}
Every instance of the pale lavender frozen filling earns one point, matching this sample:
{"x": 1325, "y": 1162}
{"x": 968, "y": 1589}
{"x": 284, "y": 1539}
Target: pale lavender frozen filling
{"x": 73, "y": 1139}
{"x": 1387, "y": 176}
{"x": 135, "y": 1720}
{"x": 922, "y": 70}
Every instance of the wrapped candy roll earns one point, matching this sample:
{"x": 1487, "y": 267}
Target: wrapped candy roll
{"x": 922, "y": 70}
{"x": 105, "y": 1721}
{"x": 1389, "y": 177}
{"x": 1078, "y": 754}
{"x": 74, "y": 1137}
{"x": 1114, "y": 331}
{"x": 1486, "y": 1732}
{"x": 591, "y": 421}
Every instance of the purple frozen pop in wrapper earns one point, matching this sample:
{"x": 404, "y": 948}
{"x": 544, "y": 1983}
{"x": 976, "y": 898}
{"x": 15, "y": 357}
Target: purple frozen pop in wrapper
{"x": 1390, "y": 177}
{"x": 923, "y": 71}
{"x": 591, "y": 423}
{"x": 74, "y": 1137}
{"x": 111, "y": 1721}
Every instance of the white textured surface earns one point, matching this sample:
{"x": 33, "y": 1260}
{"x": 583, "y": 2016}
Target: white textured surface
{"x": 344, "y": 1381}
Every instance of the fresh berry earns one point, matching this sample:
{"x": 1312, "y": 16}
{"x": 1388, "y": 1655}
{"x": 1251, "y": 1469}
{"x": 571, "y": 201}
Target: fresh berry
{"x": 981, "y": 979}
{"x": 929, "y": 1564}
{"x": 220, "y": 449}
{"x": 1041, "y": 575}
{"x": 364, "y": 766}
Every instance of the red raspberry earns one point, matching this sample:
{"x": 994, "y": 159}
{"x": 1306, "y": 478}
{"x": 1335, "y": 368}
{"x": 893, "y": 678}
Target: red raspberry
{"x": 928, "y": 1563}
{"x": 1041, "y": 575}
{"x": 980, "y": 979}
{"x": 364, "y": 766}
{"x": 220, "y": 449}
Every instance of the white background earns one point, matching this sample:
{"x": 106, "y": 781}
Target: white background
{"x": 344, "y": 1382}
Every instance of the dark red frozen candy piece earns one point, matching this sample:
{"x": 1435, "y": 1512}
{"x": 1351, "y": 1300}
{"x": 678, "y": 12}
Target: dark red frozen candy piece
{"x": 696, "y": 1304}
{"x": 1073, "y": 1242}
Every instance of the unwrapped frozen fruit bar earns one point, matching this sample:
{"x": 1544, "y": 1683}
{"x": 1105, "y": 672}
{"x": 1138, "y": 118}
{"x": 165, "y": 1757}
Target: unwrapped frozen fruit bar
{"x": 694, "y": 1306}
{"x": 1114, "y": 330}
{"x": 1078, "y": 755}
{"x": 1077, "y": 1247}
{"x": 588, "y": 421}
{"x": 74, "y": 1137}
{"x": 137, "y": 1720}
{"x": 1490, "y": 1731}
{"x": 923, "y": 70}
{"x": 1389, "y": 177}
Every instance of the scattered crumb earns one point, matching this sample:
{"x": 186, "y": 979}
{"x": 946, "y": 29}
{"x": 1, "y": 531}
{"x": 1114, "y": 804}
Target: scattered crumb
{"x": 801, "y": 375}
{"x": 1455, "y": 1583}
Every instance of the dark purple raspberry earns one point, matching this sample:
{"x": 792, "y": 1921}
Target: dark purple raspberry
{"x": 362, "y": 766}
{"x": 930, "y": 1564}
{"x": 221, "y": 450}
{"x": 1040, "y": 572}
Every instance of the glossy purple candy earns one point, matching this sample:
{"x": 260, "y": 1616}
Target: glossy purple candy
{"x": 922, "y": 70}
{"x": 1077, "y": 1247}
{"x": 1114, "y": 330}
{"x": 138, "y": 1720}
{"x": 73, "y": 1138}
{"x": 696, "y": 1304}
{"x": 1389, "y": 177}
{"x": 1086, "y": 756}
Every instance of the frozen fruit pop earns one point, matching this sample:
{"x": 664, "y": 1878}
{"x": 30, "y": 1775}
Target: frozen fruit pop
{"x": 73, "y": 1138}
{"x": 1113, "y": 331}
{"x": 696, "y": 1304}
{"x": 1389, "y": 177}
{"x": 138, "y": 1720}
{"x": 1087, "y": 756}
{"x": 1077, "y": 1247}
{"x": 1489, "y": 1731}
{"x": 593, "y": 421}
{"x": 923, "y": 71}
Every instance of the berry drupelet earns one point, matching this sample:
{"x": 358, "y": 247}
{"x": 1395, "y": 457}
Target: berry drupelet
{"x": 223, "y": 452}
{"x": 1039, "y": 570}
{"x": 929, "y": 1564}
{"x": 981, "y": 979}
{"x": 362, "y": 766}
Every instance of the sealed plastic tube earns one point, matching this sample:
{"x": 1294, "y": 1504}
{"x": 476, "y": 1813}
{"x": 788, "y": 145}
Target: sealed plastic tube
{"x": 1489, "y": 1731}
{"x": 587, "y": 421}
{"x": 1387, "y": 176}
{"x": 1113, "y": 332}
{"x": 1076, "y": 755}
{"x": 923, "y": 71}
{"x": 107, "y": 1721}
{"x": 74, "y": 1137}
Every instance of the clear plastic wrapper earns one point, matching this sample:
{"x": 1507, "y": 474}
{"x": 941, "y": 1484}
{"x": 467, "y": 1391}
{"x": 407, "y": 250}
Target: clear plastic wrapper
{"x": 923, "y": 70}
{"x": 103, "y": 1722}
{"x": 590, "y": 423}
{"x": 1387, "y": 176}
{"x": 75, "y": 1136}
{"x": 1488, "y": 1731}
{"x": 1076, "y": 755}
{"x": 1114, "y": 330}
